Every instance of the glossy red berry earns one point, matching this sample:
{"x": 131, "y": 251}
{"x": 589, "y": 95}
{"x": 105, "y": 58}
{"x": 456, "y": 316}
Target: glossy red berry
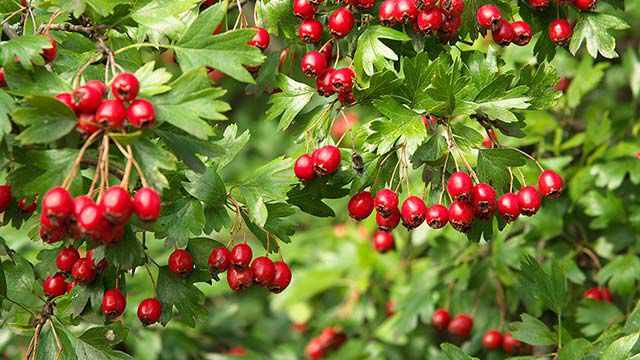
{"x": 86, "y": 125}
{"x": 310, "y": 31}
{"x": 314, "y": 349}
{"x": 281, "y": 279}
{"x": 261, "y": 39}
{"x": 50, "y": 53}
{"x": 66, "y": 258}
{"x": 303, "y": 9}
{"x": 492, "y": 340}
{"x": 125, "y": 87}
{"x": 430, "y": 21}
{"x": 389, "y": 308}
{"x": 560, "y": 32}
{"x": 585, "y": 5}
{"x": 341, "y": 22}
{"x": 303, "y": 168}
{"x": 450, "y": 25}
{"x": 405, "y": 11}
{"x": 539, "y": 5}
{"x": 5, "y": 197}
{"x": 262, "y": 271}
{"x": 66, "y": 99}
{"x": 113, "y": 303}
{"x": 387, "y": 13}
{"x": 386, "y": 202}
{"x": 346, "y": 99}
{"x": 219, "y": 260}
{"x": 550, "y": 184}
{"x": 327, "y": 51}
{"x": 3, "y": 81}
{"x": 25, "y": 207}
{"x": 426, "y": 4}
{"x": 342, "y": 80}
{"x": 180, "y": 263}
{"x": 511, "y": 345}
{"x": 239, "y": 279}
{"x": 593, "y": 294}
{"x": 390, "y": 222}
{"x": 326, "y": 160}
{"x": 111, "y": 114}
{"x": 522, "y": 33}
{"x": 360, "y": 205}
{"x": 489, "y": 17}
{"x": 313, "y": 64}
{"x": 54, "y": 286}
{"x": 147, "y": 204}
{"x": 364, "y": 5}
{"x": 460, "y": 326}
{"x": 241, "y": 255}
{"x": 149, "y": 311}
{"x": 461, "y": 215}
{"x": 606, "y": 294}
{"x": 86, "y": 99}
{"x": 530, "y": 200}
{"x": 504, "y": 34}
{"x": 383, "y": 242}
{"x": 83, "y": 271}
{"x": 323, "y": 82}
{"x": 98, "y": 85}
{"x": 57, "y": 204}
{"x": 116, "y": 205}
{"x": 413, "y": 212}
{"x": 70, "y": 286}
{"x": 100, "y": 266}
{"x": 51, "y": 236}
{"x": 483, "y": 200}
{"x": 460, "y": 186}
{"x": 440, "y": 319}
{"x": 437, "y": 216}
{"x": 452, "y": 8}
{"x": 509, "y": 207}
{"x": 141, "y": 114}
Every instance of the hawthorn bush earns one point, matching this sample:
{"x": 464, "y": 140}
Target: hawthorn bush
{"x": 199, "y": 179}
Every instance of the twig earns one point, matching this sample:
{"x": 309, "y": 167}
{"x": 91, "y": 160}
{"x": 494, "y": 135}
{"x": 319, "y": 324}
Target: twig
{"x": 114, "y": 170}
{"x": 9, "y": 31}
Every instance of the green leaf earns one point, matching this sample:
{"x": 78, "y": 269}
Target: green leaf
{"x": 453, "y": 352}
{"x": 97, "y": 343}
{"x": 621, "y": 273}
{"x": 180, "y": 219}
{"x": 46, "y": 119}
{"x": 418, "y": 72}
{"x": 496, "y": 100}
{"x": 20, "y": 281}
{"x": 604, "y": 209}
{"x": 309, "y": 198}
{"x": 48, "y": 343}
{"x": 152, "y": 158}
{"x": 582, "y": 85}
{"x": 621, "y": 348}
{"x": 277, "y": 17}
{"x": 187, "y": 299}
{"x": 401, "y": 125}
{"x": 371, "y": 53}
{"x": 597, "y": 316}
{"x": 278, "y": 223}
{"x": 28, "y": 83}
{"x": 232, "y": 143}
{"x": 153, "y": 82}
{"x": 78, "y": 7}
{"x": 633, "y": 320}
{"x": 430, "y": 152}
{"x": 493, "y": 166}
{"x": 380, "y": 84}
{"x": 575, "y": 349}
{"x": 207, "y": 187}
{"x": 201, "y": 30}
{"x": 450, "y": 93}
{"x": 541, "y": 82}
{"x": 163, "y": 16}
{"x": 593, "y": 28}
{"x": 187, "y": 149}
{"x": 25, "y": 48}
{"x": 200, "y": 248}
{"x": 127, "y": 253}
{"x": 7, "y": 105}
{"x": 548, "y": 287}
{"x": 289, "y": 102}
{"x": 533, "y": 331}
{"x": 41, "y": 170}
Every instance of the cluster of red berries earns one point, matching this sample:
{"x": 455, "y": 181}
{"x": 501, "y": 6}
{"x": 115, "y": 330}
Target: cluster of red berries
{"x": 428, "y": 18}
{"x": 599, "y": 294}
{"x": 329, "y": 340}
{"x": 322, "y": 161}
{"x": 47, "y": 54}
{"x": 503, "y": 32}
{"x": 95, "y": 112}
{"x": 583, "y": 5}
{"x": 459, "y": 327}
{"x": 493, "y": 340}
{"x": 23, "y": 205}
{"x": 260, "y": 40}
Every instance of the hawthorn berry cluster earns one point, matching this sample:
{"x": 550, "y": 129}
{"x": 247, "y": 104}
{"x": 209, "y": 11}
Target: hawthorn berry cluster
{"x": 330, "y": 339}
{"x": 322, "y": 161}
{"x": 494, "y": 339}
{"x": 459, "y": 327}
{"x": 503, "y": 32}
{"x": 426, "y": 16}
{"x": 24, "y": 205}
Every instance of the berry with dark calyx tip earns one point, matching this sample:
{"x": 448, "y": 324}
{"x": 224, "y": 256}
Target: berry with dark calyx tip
{"x": 451, "y": 25}
{"x": 57, "y": 204}
{"x": 383, "y": 242}
{"x": 83, "y": 271}
{"x": 563, "y": 84}
{"x": 342, "y": 80}
{"x": 219, "y": 261}
{"x": 125, "y": 87}
{"x": 509, "y": 207}
{"x": 66, "y": 99}
{"x": 141, "y": 114}
{"x": 405, "y": 11}
{"x": 530, "y": 200}
{"x": 86, "y": 99}
{"x": 261, "y": 39}
{"x": 303, "y": 9}
{"x": 452, "y": 8}
{"x": 49, "y": 54}
{"x": 461, "y": 215}
{"x": 364, "y": 5}
{"x": 539, "y": 5}
{"x": 460, "y": 326}
{"x": 180, "y": 263}
{"x": 492, "y": 340}
{"x": 413, "y": 212}
{"x": 51, "y": 236}
{"x": 511, "y": 345}
{"x": 460, "y": 186}
{"x": 483, "y": 200}
{"x": 149, "y": 311}
{"x": 27, "y": 208}
{"x": 430, "y": 21}
{"x": 3, "y": 81}
{"x": 346, "y": 99}
{"x": 360, "y": 205}
{"x": 323, "y": 82}
{"x": 110, "y": 233}
{"x": 111, "y": 114}
{"x": 147, "y": 204}
{"x": 326, "y": 160}
{"x": 426, "y": 5}
{"x": 341, "y": 22}
{"x": 116, "y": 205}
{"x": 386, "y": 202}
{"x": 390, "y": 222}
{"x": 606, "y": 294}
{"x": 66, "y": 258}
{"x": 550, "y": 184}
{"x": 239, "y": 279}
{"x": 504, "y": 35}
{"x": 100, "y": 266}
{"x": 585, "y": 5}
{"x": 98, "y": 85}
{"x": 113, "y": 303}
{"x": 241, "y": 255}
{"x": 262, "y": 271}
{"x": 86, "y": 125}
{"x": 5, "y": 197}
{"x": 560, "y": 32}
{"x": 310, "y": 31}
{"x": 593, "y": 294}
{"x": 46, "y": 224}
{"x": 54, "y": 286}
{"x": 387, "y": 13}
{"x": 437, "y": 216}
{"x": 489, "y": 17}
{"x": 522, "y": 33}
{"x": 282, "y": 278}
{"x": 313, "y": 64}
{"x": 303, "y": 168}
{"x": 440, "y": 319}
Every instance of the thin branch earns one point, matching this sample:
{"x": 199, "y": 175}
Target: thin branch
{"x": 114, "y": 170}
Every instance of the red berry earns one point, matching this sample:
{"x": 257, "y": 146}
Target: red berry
{"x": 539, "y": 5}
{"x": 3, "y": 81}
{"x": 303, "y": 9}
{"x": 98, "y": 85}
{"x": 125, "y": 87}
{"x": 389, "y": 308}
{"x": 27, "y": 208}
{"x": 383, "y": 241}
{"x": 83, "y": 271}
{"x": 341, "y": 22}
{"x": 560, "y": 32}
{"x": 141, "y": 114}
{"x": 593, "y": 293}
{"x": 492, "y": 340}
{"x": 149, "y": 311}
{"x": 5, "y": 197}
{"x": 86, "y": 99}
{"x": 323, "y": 82}
{"x": 346, "y": 99}
{"x": 522, "y": 33}
{"x": 70, "y": 286}
{"x": 437, "y": 216}
{"x": 452, "y": 8}
{"x": 219, "y": 260}
{"x": 550, "y": 184}
{"x": 461, "y": 215}
{"x": 430, "y": 21}
{"x": 86, "y": 125}
{"x": 51, "y": 236}
{"x": 387, "y": 13}
{"x": 261, "y": 39}
{"x": 511, "y": 345}
{"x": 488, "y": 140}
{"x": 113, "y": 303}
{"x": 66, "y": 258}
{"x": 450, "y": 25}
{"x": 239, "y": 279}
{"x": 327, "y": 51}
{"x": 530, "y": 200}
{"x": 54, "y": 286}
{"x": 50, "y": 54}
{"x": 489, "y": 17}
{"x": 360, "y": 205}
{"x": 314, "y": 349}
{"x": 460, "y": 326}
{"x": 326, "y": 160}
{"x": 440, "y": 319}
{"x": 102, "y": 265}
{"x": 364, "y": 5}
{"x": 241, "y": 255}
{"x": 342, "y": 80}
{"x": 504, "y": 35}
{"x": 585, "y": 5}
{"x": 57, "y": 204}
{"x": 313, "y": 64}
{"x": 460, "y": 186}
{"x": 147, "y": 204}
{"x": 310, "y": 31}
{"x": 79, "y": 203}
{"x": 386, "y": 202}
{"x": 111, "y": 114}
{"x": 180, "y": 263}
{"x": 66, "y": 99}
{"x": 606, "y": 294}
{"x": 282, "y": 278}
{"x": 303, "y": 168}
{"x": 405, "y": 11}
{"x": 483, "y": 200}
{"x": 413, "y": 211}
{"x": 116, "y": 205}
{"x": 509, "y": 207}
{"x": 390, "y": 222}
{"x": 262, "y": 271}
